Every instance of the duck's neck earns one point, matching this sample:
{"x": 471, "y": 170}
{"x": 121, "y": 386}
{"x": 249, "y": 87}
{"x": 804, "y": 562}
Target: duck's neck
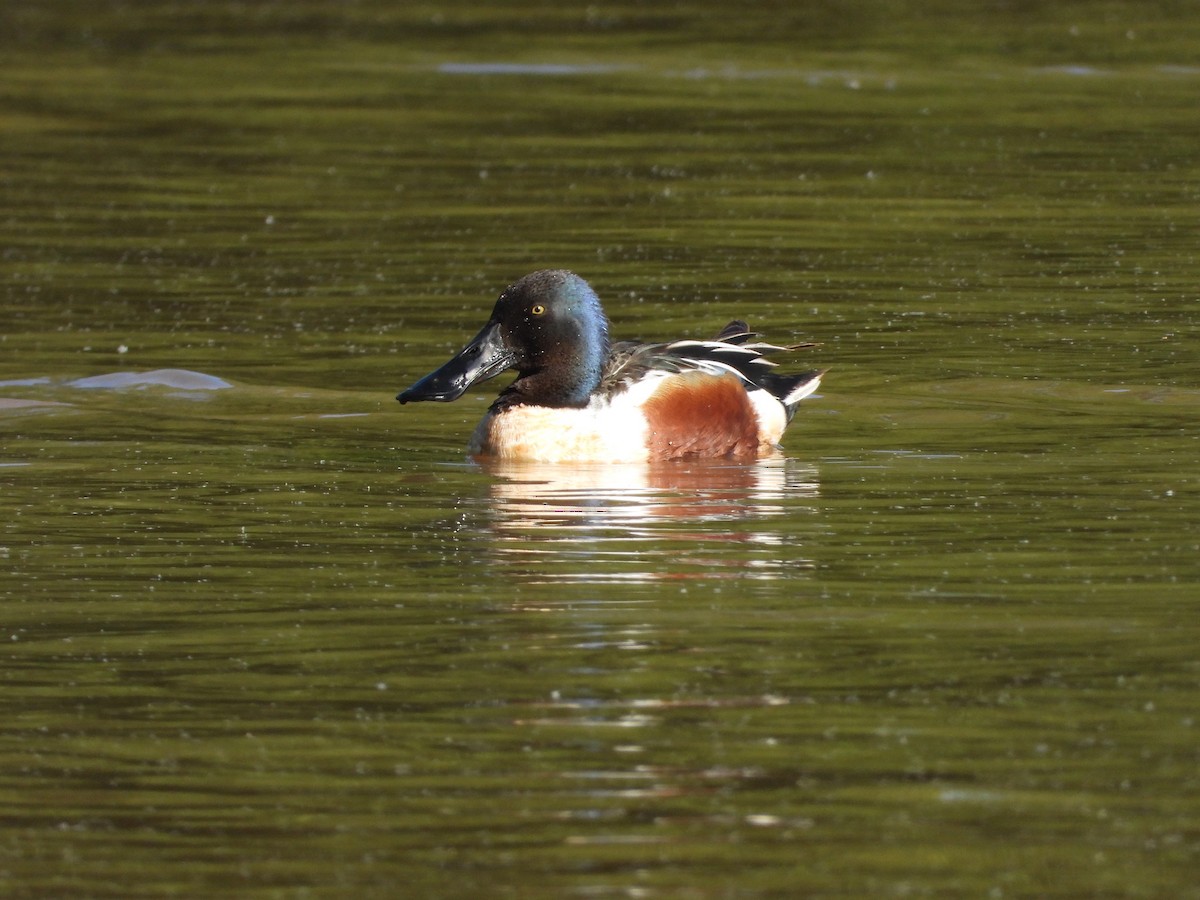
{"x": 566, "y": 379}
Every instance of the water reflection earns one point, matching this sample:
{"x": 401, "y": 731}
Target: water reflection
{"x": 654, "y": 521}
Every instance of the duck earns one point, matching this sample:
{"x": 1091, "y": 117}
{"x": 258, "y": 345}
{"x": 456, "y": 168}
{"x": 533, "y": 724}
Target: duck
{"x": 579, "y": 397}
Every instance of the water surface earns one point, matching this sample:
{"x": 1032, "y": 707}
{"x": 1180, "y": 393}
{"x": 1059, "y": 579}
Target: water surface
{"x": 270, "y": 635}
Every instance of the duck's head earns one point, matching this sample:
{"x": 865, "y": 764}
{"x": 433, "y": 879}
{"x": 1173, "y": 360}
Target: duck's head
{"x": 549, "y": 327}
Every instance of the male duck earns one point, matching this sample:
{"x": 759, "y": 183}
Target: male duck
{"x": 577, "y": 397}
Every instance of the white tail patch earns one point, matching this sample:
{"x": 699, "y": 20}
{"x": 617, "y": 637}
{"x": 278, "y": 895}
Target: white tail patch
{"x": 800, "y": 391}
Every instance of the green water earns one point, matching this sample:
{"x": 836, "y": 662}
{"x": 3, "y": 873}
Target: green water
{"x": 281, "y": 639}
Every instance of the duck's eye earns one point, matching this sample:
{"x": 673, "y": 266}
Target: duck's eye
{"x": 537, "y": 309}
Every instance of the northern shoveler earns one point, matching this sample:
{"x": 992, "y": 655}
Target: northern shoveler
{"x": 577, "y": 397}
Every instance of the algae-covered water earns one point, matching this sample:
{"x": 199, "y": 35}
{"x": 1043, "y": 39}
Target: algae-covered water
{"x": 268, "y": 634}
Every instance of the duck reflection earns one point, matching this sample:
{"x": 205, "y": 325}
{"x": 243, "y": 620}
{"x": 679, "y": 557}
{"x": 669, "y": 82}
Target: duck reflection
{"x": 652, "y": 521}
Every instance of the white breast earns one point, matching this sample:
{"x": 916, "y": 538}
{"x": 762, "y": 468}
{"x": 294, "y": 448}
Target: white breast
{"x": 600, "y": 432}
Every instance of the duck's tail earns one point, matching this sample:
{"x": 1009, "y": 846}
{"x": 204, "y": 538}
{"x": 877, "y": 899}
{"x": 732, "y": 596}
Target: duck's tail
{"x": 791, "y": 389}
{"x": 787, "y": 389}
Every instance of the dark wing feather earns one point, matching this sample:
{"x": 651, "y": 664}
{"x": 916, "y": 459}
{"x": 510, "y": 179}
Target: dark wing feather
{"x": 735, "y": 332}
{"x": 729, "y": 353}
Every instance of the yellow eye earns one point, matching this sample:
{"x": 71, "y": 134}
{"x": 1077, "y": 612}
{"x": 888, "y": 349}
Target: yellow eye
{"x": 537, "y": 309}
